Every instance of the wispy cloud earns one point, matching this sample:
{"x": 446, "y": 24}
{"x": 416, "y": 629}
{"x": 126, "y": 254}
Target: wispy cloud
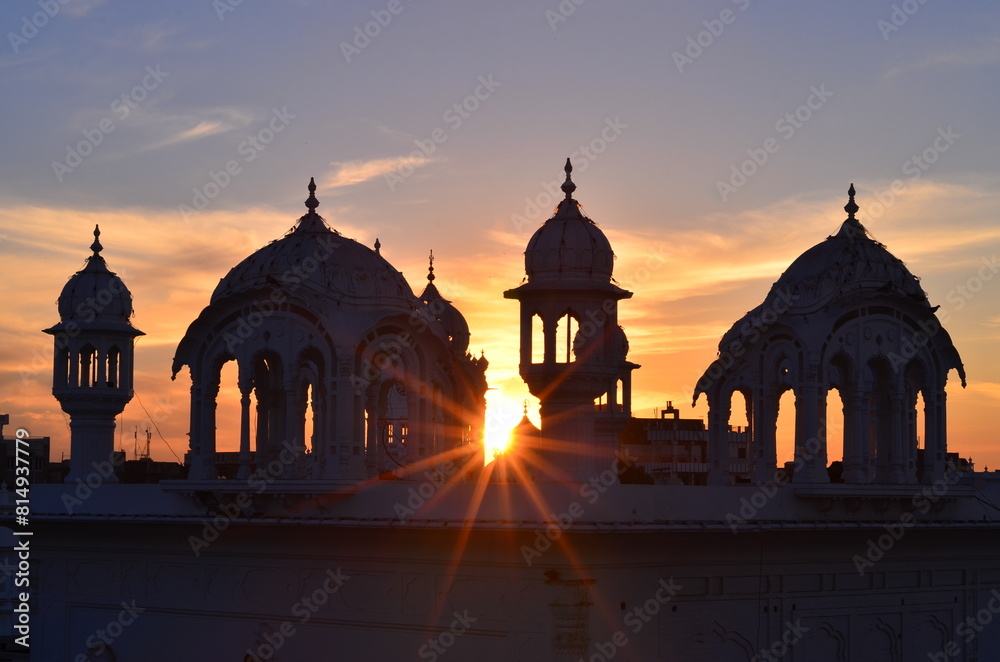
{"x": 203, "y": 129}
{"x": 82, "y": 8}
{"x": 349, "y": 173}
{"x": 985, "y": 53}
{"x": 154, "y": 38}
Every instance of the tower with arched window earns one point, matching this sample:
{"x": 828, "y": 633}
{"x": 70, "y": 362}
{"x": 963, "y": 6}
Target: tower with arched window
{"x": 93, "y": 358}
{"x": 572, "y": 348}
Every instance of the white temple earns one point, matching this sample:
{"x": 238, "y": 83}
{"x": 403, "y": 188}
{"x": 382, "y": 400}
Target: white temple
{"x": 379, "y": 536}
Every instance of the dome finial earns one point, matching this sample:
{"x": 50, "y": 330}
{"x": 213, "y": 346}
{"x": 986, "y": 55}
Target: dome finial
{"x": 96, "y": 246}
{"x": 378, "y": 245}
{"x": 851, "y": 207}
{"x": 430, "y": 269}
{"x": 311, "y": 201}
{"x": 568, "y": 186}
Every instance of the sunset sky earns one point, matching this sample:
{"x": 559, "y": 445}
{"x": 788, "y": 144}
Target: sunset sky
{"x": 445, "y": 126}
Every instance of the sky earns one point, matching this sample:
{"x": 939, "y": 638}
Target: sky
{"x": 713, "y": 143}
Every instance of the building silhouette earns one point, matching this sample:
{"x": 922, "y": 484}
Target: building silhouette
{"x": 380, "y": 535}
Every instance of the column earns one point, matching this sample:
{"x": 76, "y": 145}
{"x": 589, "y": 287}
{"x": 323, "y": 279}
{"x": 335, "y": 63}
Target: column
{"x": 718, "y": 442}
{"x": 244, "y": 469}
{"x": 856, "y": 460}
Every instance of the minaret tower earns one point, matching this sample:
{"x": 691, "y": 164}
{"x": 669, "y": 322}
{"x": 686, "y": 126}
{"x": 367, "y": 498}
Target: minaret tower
{"x": 569, "y": 288}
{"x": 92, "y": 371}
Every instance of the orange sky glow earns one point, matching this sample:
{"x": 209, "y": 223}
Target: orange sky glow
{"x": 689, "y": 285}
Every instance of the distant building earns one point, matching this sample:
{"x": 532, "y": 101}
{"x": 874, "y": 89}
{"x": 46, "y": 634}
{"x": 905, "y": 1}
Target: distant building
{"x": 34, "y": 449}
{"x": 674, "y": 450}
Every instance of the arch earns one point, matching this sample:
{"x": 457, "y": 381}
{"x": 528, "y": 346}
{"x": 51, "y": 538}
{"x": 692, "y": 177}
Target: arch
{"x": 88, "y": 362}
{"x": 113, "y": 367}
{"x": 566, "y": 327}
{"x": 537, "y": 339}
{"x": 226, "y": 405}
{"x": 914, "y": 387}
{"x": 62, "y": 371}
{"x": 842, "y": 420}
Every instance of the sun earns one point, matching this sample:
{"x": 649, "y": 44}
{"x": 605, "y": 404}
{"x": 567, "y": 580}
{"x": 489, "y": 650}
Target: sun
{"x": 503, "y": 413}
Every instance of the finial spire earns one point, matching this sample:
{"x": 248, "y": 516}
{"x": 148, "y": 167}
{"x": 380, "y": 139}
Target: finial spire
{"x": 378, "y": 245}
{"x": 568, "y": 186}
{"x": 525, "y": 406}
{"x": 311, "y": 201}
{"x": 851, "y": 207}
{"x": 430, "y": 269}
{"x": 96, "y": 246}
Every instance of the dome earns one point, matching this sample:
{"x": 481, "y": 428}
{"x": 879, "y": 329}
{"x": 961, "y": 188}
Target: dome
{"x": 846, "y": 264}
{"x": 444, "y": 312}
{"x": 850, "y": 265}
{"x": 569, "y": 245}
{"x": 314, "y": 256}
{"x": 95, "y": 297}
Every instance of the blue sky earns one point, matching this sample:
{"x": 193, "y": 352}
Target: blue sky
{"x": 823, "y": 94}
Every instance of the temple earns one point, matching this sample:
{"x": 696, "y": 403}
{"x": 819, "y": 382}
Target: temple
{"x": 358, "y": 520}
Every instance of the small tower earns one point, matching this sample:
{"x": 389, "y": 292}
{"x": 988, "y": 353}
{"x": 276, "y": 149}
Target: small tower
{"x": 92, "y": 370}
{"x": 569, "y": 289}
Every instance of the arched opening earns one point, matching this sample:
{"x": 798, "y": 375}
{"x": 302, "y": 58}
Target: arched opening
{"x": 88, "y": 366}
{"x": 784, "y": 434}
{"x": 740, "y": 419}
{"x": 913, "y": 419}
{"x": 62, "y": 371}
{"x": 836, "y": 442}
{"x": 114, "y": 363}
{"x": 227, "y": 411}
{"x": 565, "y": 331}
{"x": 309, "y": 424}
{"x": 537, "y": 339}
{"x": 393, "y": 426}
